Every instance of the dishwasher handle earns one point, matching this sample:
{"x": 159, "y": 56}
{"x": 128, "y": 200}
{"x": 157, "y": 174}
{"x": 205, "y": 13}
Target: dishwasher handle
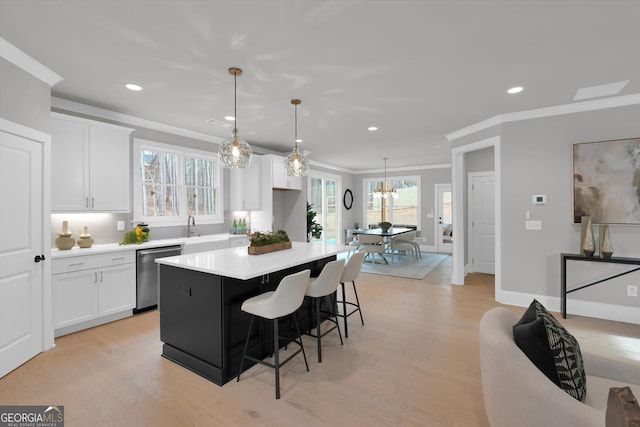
{"x": 159, "y": 250}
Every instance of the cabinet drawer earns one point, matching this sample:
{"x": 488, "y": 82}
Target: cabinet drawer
{"x": 65, "y": 265}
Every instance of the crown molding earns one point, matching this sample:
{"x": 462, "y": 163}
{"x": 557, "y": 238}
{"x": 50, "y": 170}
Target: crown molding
{"x": 27, "y": 63}
{"x": 557, "y": 110}
{"x": 76, "y": 107}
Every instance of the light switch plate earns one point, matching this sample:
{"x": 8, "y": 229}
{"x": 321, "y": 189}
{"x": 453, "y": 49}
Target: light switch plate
{"x": 120, "y": 226}
{"x": 533, "y": 224}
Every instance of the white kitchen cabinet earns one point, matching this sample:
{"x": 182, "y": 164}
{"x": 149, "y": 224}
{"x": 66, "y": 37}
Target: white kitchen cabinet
{"x": 89, "y": 165}
{"x": 89, "y": 290}
{"x": 279, "y": 177}
{"x": 245, "y": 187}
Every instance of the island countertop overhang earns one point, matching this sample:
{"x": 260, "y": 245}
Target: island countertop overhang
{"x": 238, "y": 264}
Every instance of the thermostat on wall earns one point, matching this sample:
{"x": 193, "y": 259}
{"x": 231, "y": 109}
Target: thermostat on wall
{"x": 539, "y": 199}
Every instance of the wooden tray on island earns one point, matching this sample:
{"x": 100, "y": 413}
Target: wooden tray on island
{"x": 259, "y": 250}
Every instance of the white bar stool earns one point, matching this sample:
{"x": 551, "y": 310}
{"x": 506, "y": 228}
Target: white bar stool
{"x": 324, "y": 285}
{"x": 350, "y": 274}
{"x": 273, "y": 305}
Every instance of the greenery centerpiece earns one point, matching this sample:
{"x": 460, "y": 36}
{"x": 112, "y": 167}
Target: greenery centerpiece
{"x": 385, "y": 225}
{"x": 262, "y": 242}
{"x": 313, "y": 228}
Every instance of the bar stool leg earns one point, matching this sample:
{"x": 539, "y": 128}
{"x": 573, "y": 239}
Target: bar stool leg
{"x": 332, "y": 298}
{"x": 246, "y": 345}
{"x": 276, "y": 355}
{"x": 344, "y": 310}
{"x": 357, "y": 301}
{"x": 318, "y": 330}
{"x": 295, "y": 320}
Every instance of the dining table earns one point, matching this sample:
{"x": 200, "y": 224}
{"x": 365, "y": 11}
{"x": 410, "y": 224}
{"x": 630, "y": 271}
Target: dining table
{"x": 385, "y": 234}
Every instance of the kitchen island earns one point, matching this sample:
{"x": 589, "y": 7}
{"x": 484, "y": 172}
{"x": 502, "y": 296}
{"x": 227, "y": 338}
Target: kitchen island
{"x": 201, "y": 324}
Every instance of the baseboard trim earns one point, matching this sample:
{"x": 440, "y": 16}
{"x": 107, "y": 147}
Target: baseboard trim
{"x": 575, "y": 307}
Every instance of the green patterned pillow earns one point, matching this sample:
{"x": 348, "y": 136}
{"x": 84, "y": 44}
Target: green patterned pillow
{"x": 552, "y": 349}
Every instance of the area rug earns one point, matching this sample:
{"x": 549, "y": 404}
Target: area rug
{"x": 406, "y": 266}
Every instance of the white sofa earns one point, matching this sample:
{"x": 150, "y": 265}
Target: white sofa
{"x": 516, "y": 393}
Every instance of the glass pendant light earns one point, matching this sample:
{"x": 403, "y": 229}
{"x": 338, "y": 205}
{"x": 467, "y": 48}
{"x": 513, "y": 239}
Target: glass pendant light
{"x": 235, "y": 152}
{"x": 295, "y": 163}
{"x": 383, "y": 192}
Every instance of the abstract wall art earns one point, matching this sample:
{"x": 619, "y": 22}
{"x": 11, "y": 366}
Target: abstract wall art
{"x": 606, "y": 181}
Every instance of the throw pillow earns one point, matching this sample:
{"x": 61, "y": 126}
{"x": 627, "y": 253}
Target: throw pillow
{"x": 552, "y": 349}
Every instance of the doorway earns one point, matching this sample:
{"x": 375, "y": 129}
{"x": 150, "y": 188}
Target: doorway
{"x": 323, "y": 189}
{"x": 444, "y": 218}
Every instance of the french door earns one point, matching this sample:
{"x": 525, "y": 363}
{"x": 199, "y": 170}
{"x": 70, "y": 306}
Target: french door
{"x": 444, "y": 215}
{"x": 323, "y": 197}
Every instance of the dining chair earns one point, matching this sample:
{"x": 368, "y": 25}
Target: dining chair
{"x": 371, "y": 245}
{"x": 399, "y": 244}
{"x": 352, "y": 242}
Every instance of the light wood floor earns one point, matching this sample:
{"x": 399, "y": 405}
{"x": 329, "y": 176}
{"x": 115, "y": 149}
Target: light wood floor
{"x": 415, "y": 362}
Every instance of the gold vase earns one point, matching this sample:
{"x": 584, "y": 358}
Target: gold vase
{"x": 587, "y": 242}
{"x": 606, "y": 247}
{"x": 65, "y": 241}
{"x": 85, "y": 240}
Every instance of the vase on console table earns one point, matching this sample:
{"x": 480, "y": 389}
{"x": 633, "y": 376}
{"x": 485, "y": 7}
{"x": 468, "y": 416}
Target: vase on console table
{"x": 587, "y": 242}
{"x": 65, "y": 241}
{"x": 606, "y": 247}
{"x": 85, "y": 240}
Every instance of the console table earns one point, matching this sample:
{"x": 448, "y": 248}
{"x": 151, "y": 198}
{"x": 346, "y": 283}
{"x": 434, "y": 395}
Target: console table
{"x": 576, "y": 257}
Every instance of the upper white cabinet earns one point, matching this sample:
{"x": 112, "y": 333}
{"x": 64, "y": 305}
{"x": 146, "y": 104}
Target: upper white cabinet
{"x": 90, "y": 164}
{"x": 279, "y": 177}
{"x": 245, "y": 187}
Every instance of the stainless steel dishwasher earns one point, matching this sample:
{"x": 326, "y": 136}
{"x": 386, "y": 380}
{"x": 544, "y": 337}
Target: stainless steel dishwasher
{"x": 147, "y": 275}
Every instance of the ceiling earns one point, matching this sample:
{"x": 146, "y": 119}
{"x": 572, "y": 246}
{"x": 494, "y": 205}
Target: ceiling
{"x": 418, "y": 70}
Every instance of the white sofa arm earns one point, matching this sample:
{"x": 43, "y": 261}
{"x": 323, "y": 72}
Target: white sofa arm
{"x": 515, "y": 392}
{"x": 624, "y": 370}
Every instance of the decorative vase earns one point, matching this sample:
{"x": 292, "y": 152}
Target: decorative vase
{"x": 606, "y": 247}
{"x": 85, "y": 240}
{"x": 587, "y": 242}
{"x": 65, "y": 241}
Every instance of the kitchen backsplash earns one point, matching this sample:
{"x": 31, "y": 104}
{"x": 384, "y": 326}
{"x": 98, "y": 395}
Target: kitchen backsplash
{"x": 102, "y": 227}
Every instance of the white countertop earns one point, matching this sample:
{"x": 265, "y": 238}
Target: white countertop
{"x": 115, "y": 247}
{"x": 237, "y": 263}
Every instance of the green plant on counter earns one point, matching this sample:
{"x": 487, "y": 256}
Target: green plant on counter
{"x": 260, "y": 238}
{"x": 130, "y": 238}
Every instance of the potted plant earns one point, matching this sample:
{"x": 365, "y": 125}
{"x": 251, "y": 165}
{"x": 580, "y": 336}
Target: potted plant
{"x": 385, "y": 226}
{"x": 262, "y": 243}
{"x": 313, "y": 228}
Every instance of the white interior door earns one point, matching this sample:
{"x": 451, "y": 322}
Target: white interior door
{"x": 444, "y": 218}
{"x": 482, "y": 221}
{"x": 21, "y": 228}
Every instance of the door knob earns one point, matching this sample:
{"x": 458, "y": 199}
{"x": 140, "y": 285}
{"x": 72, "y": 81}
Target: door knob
{"x": 39, "y": 258}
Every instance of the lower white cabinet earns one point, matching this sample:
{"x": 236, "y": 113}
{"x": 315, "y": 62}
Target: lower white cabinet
{"x": 90, "y": 290}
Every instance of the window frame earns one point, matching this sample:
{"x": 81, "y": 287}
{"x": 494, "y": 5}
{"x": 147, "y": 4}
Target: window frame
{"x": 390, "y": 179}
{"x": 182, "y": 153}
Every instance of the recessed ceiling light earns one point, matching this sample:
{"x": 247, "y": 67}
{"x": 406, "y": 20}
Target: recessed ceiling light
{"x": 133, "y": 86}
{"x": 372, "y": 128}
{"x": 516, "y": 89}
{"x": 298, "y": 140}
{"x": 230, "y": 118}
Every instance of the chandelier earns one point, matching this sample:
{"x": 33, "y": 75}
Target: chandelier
{"x": 383, "y": 192}
{"x": 235, "y": 152}
{"x": 295, "y": 163}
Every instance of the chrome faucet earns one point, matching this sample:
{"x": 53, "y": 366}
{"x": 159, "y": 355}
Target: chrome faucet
{"x": 190, "y": 221}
